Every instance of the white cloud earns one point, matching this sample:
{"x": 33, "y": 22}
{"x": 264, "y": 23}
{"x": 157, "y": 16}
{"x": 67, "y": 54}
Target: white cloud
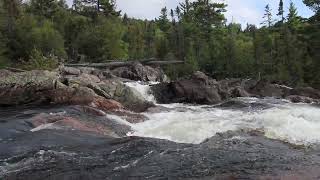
{"x": 241, "y": 11}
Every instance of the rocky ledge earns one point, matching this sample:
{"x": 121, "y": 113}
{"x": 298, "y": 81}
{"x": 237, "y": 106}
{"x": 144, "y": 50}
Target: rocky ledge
{"x": 201, "y": 89}
{"x": 78, "y": 86}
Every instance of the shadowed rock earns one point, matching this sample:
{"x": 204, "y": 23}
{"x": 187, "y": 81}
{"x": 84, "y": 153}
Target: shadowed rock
{"x": 232, "y": 155}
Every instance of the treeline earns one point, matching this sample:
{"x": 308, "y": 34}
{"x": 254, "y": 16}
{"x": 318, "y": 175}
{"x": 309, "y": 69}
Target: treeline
{"x": 38, "y": 34}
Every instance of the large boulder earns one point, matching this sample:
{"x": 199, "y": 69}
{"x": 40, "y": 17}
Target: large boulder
{"x": 26, "y": 87}
{"x": 198, "y": 89}
{"x": 72, "y": 95}
{"x": 231, "y": 88}
{"x": 306, "y": 92}
{"x": 266, "y": 89}
{"x": 138, "y": 72}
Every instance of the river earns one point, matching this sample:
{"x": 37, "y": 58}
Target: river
{"x": 184, "y": 123}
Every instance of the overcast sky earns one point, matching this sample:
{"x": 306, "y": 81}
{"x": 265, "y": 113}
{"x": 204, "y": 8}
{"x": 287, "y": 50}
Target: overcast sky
{"x": 242, "y": 11}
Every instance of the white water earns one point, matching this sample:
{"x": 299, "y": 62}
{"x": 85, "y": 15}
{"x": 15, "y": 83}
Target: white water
{"x": 294, "y": 123}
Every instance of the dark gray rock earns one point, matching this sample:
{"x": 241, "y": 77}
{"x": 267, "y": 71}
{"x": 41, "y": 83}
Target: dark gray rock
{"x": 301, "y": 99}
{"x": 306, "y": 92}
{"x": 266, "y": 89}
{"x": 78, "y": 155}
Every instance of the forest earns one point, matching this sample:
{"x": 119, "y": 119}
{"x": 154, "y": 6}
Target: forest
{"x": 41, "y": 34}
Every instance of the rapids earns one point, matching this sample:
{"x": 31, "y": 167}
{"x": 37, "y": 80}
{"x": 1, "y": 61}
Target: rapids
{"x": 184, "y": 123}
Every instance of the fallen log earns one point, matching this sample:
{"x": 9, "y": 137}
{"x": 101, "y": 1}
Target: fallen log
{"x": 124, "y": 63}
{"x": 15, "y": 69}
{"x": 154, "y": 63}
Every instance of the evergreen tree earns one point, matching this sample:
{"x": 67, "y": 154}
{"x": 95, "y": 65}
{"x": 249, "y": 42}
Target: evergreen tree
{"x": 313, "y": 4}
{"x": 267, "y": 16}
{"x": 281, "y": 11}
{"x": 293, "y": 19}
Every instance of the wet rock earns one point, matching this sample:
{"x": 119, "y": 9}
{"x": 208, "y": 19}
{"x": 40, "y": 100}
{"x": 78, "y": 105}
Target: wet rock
{"x": 237, "y": 104}
{"x": 48, "y": 121}
{"x": 91, "y": 110}
{"x": 158, "y": 109}
{"x": 130, "y": 116}
{"x": 109, "y": 87}
{"x": 194, "y": 90}
{"x": 300, "y": 99}
{"x": 306, "y": 92}
{"x": 77, "y": 155}
{"x": 131, "y": 99}
{"x": 266, "y": 89}
{"x": 163, "y": 92}
{"x": 239, "y": 92}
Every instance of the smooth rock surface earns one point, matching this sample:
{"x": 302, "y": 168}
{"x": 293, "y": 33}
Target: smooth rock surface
{"x": 232, "y": 155}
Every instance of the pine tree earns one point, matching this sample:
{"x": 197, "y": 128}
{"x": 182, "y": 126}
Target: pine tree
{"x": 267, "y": 16}
{"x": 163, "y": 20}
{"x": 281, "y": 11}
{"x": 293, "y": 19}
{"x": 313, "y": 4}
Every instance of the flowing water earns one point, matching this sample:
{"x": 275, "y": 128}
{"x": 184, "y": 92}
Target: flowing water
{"x": 278, "y": 119}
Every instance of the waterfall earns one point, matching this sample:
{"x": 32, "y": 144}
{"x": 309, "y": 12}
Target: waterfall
{"x": 143, "y": 89}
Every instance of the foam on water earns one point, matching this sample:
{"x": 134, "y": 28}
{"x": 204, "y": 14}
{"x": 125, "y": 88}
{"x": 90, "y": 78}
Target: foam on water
{"x": 143, "y": 89}
{"x": 294, "y": 123}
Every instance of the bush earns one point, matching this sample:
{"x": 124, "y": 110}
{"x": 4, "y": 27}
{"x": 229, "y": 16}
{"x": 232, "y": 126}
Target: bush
{"x": 40, "y": 62}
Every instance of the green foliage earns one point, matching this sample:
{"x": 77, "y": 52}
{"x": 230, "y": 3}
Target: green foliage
{"x": 102, "y": 41}
{"x": 40, "y": 62}
{"x": 34, "y": 34}
{"x": 40, "y": 32}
